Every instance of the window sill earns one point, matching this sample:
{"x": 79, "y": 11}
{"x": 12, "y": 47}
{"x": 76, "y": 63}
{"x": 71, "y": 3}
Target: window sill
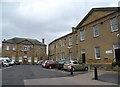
{"x": 82, "y": 40}
{"x": 95, "y": 36}
{"x": 14, "y": 50}
{"x": 7, "y": 50}
{"x": 98, "y": 58}
{"x": 114, "y": 30}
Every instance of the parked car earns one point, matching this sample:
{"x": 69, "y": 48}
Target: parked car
{"x": 17, "y": 63}
{"x": 49, "y": 64}
{"x": 5, "y": 61}
{"x": 60, "y": 64}
{"x": 11, "y": 63}
{"x": 39, "y": 62}
{"x": 76, "y": 66}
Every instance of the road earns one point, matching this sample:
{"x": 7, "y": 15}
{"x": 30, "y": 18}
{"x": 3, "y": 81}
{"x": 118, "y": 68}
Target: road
{"x": 16, "y": 74}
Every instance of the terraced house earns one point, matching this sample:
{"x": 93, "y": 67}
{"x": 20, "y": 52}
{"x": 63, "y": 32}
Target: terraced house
{"x": 64, "y": 48}
{"x": 27, "y": 51}
{"x": 95, "y": 40}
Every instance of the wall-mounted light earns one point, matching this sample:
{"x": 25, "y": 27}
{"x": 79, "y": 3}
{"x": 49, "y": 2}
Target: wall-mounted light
{"x": 118, "y": 35}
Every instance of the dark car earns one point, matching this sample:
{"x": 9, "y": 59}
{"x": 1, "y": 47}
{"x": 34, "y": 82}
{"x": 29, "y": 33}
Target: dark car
{"x": 60, "y": 64}
{"x": 49, "y": 64}
{"x": 17, "y": 63}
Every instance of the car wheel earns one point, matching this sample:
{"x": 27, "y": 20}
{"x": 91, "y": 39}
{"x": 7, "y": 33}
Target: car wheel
{"x": 50, "y": 67}
{"x": 86, "y": 68}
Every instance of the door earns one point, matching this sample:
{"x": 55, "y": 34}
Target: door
{"x": 25, "y": 60}
{"x": 117, "y": 55}
{"x": 83, "y": 58}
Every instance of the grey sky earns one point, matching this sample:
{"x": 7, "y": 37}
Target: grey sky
{"x": 47, "y": 19}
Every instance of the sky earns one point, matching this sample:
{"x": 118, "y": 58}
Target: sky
{"x": 49, "y": 19}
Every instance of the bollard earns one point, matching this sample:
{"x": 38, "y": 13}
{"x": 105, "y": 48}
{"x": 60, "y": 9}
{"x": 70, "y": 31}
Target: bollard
{"x": 95, "y": 73}
{"x": 71, "y": 71}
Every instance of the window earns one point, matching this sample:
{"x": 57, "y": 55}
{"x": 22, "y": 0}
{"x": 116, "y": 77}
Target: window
{"x": 97, "y": 52}
{"x": 35, "y": 48}
{"x": 60, "y": 43}
{"x": 83, "y": 51}
{"x": 20, "y": 59}
{"x": 35, "y": 59}
{"x": 25, "y": 52}
{"x": 7, "y": 47}
{"x": 70, "y": 55}
{"x": 14, "y": 47}
{"x": 76, "y": 39}
{"x": 56, "y": 45}
{"x": 13, "y": 58}
{"x": 26, "y": 48}
{"x": 41, "y": 49}
{"x": 29, "y": 59}
{"x": 63, "y": 56}
{"x": 95, "y": 31}
{"x": 77, "y": 55}
{"x": 114, "y": 24}
{"x": 64, "y": 42}
{"x": 82, "y": 35}
{"x": 70, "y": 40}
{"x": 58, "y": 56}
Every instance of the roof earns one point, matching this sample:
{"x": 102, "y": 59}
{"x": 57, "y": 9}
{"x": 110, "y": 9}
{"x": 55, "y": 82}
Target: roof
{"x": 18, "y": 40}
{"x": 115, "y": 9}
{"x": 60, "y": 38}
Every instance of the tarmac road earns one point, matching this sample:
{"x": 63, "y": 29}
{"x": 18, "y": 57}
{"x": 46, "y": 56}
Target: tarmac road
{"x": 16, "y": 74}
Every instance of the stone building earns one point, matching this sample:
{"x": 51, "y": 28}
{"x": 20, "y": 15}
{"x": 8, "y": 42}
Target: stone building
{"x": 27, "y": 51}
{"x": 95, "y": 40}
{"x": 64, "y": 48}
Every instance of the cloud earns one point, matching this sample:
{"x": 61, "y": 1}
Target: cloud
{"x": 47, "y": 19}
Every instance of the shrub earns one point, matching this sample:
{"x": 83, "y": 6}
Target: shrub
{"x": 118, "y": 63}
{"x": 114, "y": 64}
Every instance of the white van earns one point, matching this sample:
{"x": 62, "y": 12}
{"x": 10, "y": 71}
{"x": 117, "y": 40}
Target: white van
{"x": 4, "y": 61}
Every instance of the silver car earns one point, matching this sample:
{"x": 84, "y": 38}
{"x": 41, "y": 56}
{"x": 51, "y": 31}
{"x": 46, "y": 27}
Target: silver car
{"x": 76, "y": 66}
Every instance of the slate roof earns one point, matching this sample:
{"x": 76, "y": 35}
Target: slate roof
{"x": 115, "y": 9}
{"x": 18, "y": 40}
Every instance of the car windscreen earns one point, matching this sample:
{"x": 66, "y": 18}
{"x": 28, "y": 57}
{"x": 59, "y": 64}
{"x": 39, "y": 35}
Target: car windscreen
{"x": 75, "y": 63}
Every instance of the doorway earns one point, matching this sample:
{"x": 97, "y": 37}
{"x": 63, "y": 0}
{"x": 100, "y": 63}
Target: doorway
{"x": 117, "y": 55}
{"x": 83, "y": 56}
{"x": 25, "y": 60}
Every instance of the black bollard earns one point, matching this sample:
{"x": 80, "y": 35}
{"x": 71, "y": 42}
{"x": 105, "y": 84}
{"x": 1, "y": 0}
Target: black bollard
{"x": 95, "y": 73}
{"x": 71, "y": 71}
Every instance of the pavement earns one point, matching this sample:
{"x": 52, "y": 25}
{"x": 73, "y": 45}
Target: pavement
{"x": 104, "y": 78}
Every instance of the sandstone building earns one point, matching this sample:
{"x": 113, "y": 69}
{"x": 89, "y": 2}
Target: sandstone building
{"x": 95, "y": 40}
{"x": 27, "y": 51}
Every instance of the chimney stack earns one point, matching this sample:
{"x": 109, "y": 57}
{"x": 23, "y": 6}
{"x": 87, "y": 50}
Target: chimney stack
{"x": 74, "y": 29}
{"x": 43, "y": 40}
{"x": 4, "y": 40}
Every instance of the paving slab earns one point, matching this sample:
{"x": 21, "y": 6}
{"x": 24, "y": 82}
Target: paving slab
{"x": 80, "y": 79}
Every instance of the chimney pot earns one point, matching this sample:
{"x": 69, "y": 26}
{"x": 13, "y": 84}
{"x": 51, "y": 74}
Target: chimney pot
{"x": 43, "y": 40}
